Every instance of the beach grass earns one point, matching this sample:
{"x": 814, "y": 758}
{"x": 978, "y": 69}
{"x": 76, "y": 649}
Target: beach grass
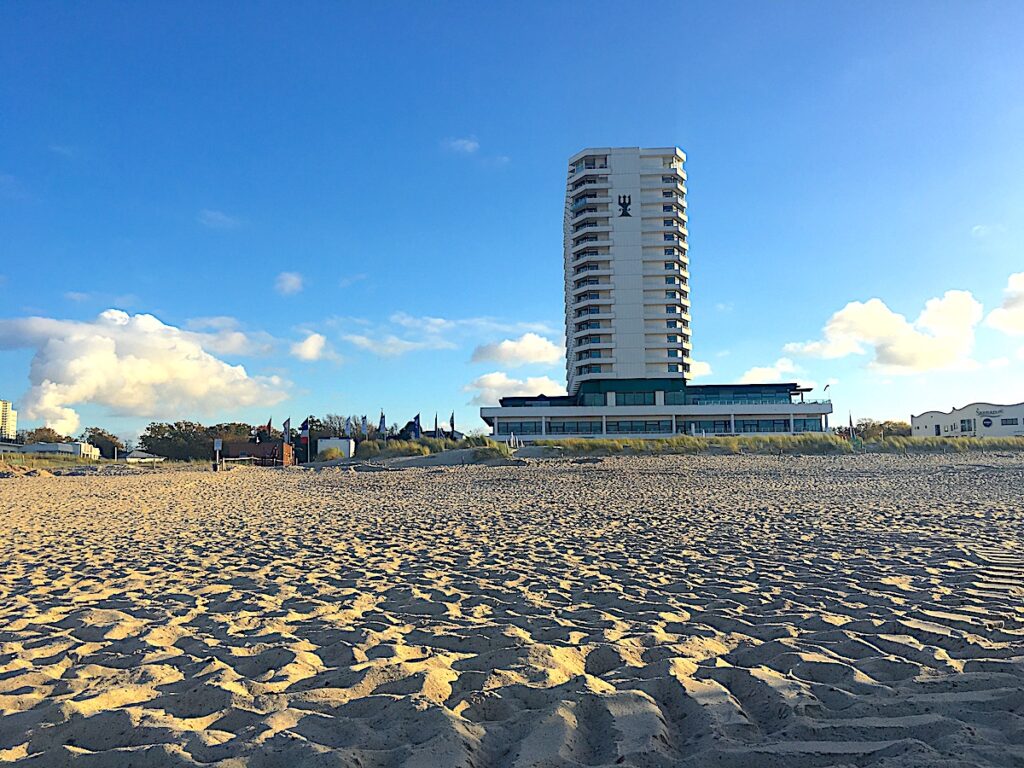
{"x": 802, "y": 444}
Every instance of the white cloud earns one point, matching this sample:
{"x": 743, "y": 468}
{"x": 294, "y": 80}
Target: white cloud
{"x": 313, "y": 347}
{"x": 1009, "y": 318}
{"x": 528, "y": 348}
{"x": 464, "y": 146}
{"x": 217, "y": 219}
{"x": 980, "y": 230}
{"x": 76, "y": 296}
{"x": 288, "y": 283}
{"x": 62, "y": 149}
{"x": 351, "y": 280}
{"x": 471, "y": 325}
{"x": 780, "y": 370}
{"x": 132, "y": 364}
{"x": 392, "y": 346}
{"x": 699, "y": 369}
{"x": 223, "y": 335}
{"x": 491, "y": 387}
{"x": 408, "y": 333}
{"x": 941, "y": 337}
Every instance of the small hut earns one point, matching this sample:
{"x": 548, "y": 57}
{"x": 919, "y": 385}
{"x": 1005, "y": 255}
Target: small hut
{"x": 266, "y": 453}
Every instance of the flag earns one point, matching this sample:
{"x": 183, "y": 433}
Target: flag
{"x": 416, "y": 427}
{"x": 364, "y": 427}
{"x": 348, "y": 426}
{"x": 451, "y": 423}
{"x": 853, "y": 432}
{"x": 268, "y": 424}
{"x": 304, "y": 432}
{"x": 382, "y": 428}
{"x": 436, "y": 433}
{"x": 286, "y": 428}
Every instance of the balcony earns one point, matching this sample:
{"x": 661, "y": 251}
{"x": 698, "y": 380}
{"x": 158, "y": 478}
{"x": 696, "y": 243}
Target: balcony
{"x": 588, "y": 241}
{"x": 596, "y": 181}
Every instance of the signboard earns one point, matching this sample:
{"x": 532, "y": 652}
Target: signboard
{"x": 987, "y": 422}
{"x": 218, "y": 444}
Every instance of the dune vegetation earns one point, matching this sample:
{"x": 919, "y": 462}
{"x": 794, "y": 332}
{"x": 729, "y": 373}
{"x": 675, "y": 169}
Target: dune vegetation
{"x": 804, "y": 444}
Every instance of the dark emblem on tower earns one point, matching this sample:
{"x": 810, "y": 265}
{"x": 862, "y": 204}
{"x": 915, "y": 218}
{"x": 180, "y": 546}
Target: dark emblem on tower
{"x": 624, "y": 202}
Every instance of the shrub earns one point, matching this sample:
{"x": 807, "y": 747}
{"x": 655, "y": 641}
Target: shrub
{"x": 492, "y": 450}
{"x": 330, "y": 455}
{"x": 367, "y": 449}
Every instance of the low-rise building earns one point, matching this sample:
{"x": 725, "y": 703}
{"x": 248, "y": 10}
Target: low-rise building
{"x": 653, "y": 408}
{"x": 8, "y": 420}
{"x": 80, "y": 450}
{"x": 975, "y": 420}
{"x": 346, "y": 445}
{"x": 266, "y": 453}
{"x": 140, "y": 457}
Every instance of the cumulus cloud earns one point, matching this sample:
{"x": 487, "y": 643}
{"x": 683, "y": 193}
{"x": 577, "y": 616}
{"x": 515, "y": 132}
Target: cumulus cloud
{"x": 133, "y": 365}
{"x": 409, "y": 333}
{"x": 528, "y": 348}
{"x": 941, "y": 337}
{"x": 313, "y": 347}
{"x": 1009, "y": 318}
{"x": 217, "y": 219}
{"x": 223, "y": 335}
{"x": 463, "y": 146}
{"x": 699, "y": 369}
{"x": 288, "y": 283}
{"x": 765, "y": 374}
{"x": 491, "y": 387}
{"x": 392, "y": 346}
{"x": 350, "y": 280}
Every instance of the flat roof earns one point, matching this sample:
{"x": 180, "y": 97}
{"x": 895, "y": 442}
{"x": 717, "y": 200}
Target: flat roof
{"x": 791, "y": 387}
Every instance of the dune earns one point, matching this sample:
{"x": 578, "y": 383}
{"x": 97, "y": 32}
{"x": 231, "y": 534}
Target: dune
{"x": 627, "y": 611}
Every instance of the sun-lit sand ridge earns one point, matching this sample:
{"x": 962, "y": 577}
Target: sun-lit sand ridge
{"x": 732, "y": 611}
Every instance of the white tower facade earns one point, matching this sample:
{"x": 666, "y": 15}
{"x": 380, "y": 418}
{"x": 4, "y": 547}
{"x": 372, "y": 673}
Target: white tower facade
{"x": 627, "y": 294}
{"x": 8, "y": 421}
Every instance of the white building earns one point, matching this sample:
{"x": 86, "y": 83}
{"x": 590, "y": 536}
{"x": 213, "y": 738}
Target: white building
{"x": 627, "y": 319}
{"x": 8, "y": 420}
{"x": 346, "y": 445}
{"x": 81, "y": 450}
{"x": 975, "y": 420}
{"x": 141, "y": 457}
{"x": 627, "y": 292}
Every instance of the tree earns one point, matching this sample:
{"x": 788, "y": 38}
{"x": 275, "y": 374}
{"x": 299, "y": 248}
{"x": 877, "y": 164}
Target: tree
{"x": 105, "y": 441}
{"x": 869, "y": 429}
{"x": 45, "y": 435}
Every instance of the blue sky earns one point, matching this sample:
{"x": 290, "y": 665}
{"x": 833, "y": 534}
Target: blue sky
{"x": 404, "y": 168}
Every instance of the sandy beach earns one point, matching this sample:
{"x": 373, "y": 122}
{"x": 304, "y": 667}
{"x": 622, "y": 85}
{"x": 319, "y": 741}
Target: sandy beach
{"x": 675, "y": 611}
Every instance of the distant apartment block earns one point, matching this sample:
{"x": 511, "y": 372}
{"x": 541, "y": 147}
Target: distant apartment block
{"x": 627, "y": 282}
{"x": 8, "y": 421}
{"x": 627, "y": 319}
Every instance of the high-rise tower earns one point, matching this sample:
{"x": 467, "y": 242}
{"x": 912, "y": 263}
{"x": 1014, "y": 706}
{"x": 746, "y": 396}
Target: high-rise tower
{"x": 627, "y": 293}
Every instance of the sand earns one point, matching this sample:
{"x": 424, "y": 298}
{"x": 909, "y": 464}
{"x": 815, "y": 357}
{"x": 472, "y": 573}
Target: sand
{"x": 676, "y": 611}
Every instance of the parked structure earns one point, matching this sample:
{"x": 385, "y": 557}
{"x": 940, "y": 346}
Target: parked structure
{"x": 346, "y": 445}
{"x": 80, "y": 450}
{"x": 975, "y": 420}
{"x": 141, "y": 457}
{"x": 627, "y": 280}
{"x": 266, "y": 453}
{"x": 627, "y": 319}
{"x": 8, "y": 420}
